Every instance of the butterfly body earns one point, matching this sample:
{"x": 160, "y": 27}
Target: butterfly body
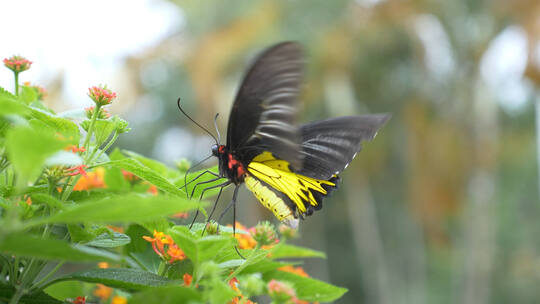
{"x": 289, "y": 168}
{"x": 229, "y": 167}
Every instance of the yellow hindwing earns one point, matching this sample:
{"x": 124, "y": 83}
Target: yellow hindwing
{"x": 276, "y": 174}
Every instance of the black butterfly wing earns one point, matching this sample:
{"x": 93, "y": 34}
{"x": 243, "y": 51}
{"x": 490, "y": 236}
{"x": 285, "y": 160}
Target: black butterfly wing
{"x": 263, "y": 114}
{"x": 328, "y": 146}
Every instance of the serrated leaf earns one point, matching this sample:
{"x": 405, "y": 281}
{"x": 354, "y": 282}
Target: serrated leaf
{"x": 167, "y": 295}
{"x": 147, "y": 174}
{"x": 7, "y": 291}
{"x": 106, "y": 240}
{"x": 129, "y": 279}
{"x": 52, "y": 249}
{"x": 308, "y": 289}
{"x": 63, "y": 126}
{"x": 121, "y": 209}
{"x": 292, "y": 251}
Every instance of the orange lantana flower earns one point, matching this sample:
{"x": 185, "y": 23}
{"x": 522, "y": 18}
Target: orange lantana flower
{"x": 91, "y": 180}
{"x": 187, "y": 279}
{"x": 296, "y": 270}
{"x": 245, "y": 241}
{"x": 172, "y": 254}
{"x": 103, "y": 292}
{"x": 118, "y": 300}
{"x": 75, "y": 149}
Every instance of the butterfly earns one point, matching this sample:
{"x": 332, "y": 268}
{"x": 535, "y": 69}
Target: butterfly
{"x": 289, "y": 168}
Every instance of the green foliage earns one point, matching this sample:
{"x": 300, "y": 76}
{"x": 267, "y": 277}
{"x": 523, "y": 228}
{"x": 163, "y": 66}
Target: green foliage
{"x": 61, "y": 191}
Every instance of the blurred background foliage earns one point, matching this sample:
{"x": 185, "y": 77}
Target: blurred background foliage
{"x": 442, "y": 207}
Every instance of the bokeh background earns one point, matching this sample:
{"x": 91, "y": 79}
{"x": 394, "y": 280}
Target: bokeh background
{"x": 442, "y": 207}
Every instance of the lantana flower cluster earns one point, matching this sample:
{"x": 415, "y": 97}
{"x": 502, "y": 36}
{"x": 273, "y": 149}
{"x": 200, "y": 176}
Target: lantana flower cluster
{"x": 165, "y": 247}
{"x": 101, "y": 95}
{"x": 17, "y": 63}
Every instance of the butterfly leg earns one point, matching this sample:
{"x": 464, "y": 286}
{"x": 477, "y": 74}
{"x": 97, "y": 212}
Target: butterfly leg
{"x": 233, "y": 204}
{"x": 221, "y": 186}
{"x": 197, "y": 177}
{"x": 201, "y": 183}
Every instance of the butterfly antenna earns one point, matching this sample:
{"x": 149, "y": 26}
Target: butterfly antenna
{"x": 206, "y": 130}
{"x": 217, "y": 130}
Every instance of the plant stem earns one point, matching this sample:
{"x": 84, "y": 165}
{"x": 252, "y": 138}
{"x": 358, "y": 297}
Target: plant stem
{"x": 162, "y": 268}
{"x": 91, "y": 127}
{"x": 16, "y": 83}
{"x": 109, "y": 144}
{"x": 19, "y": 291}
{"x": 38, "y": 284}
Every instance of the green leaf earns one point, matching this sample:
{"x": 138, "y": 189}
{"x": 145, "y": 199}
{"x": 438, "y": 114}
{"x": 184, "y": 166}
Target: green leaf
{"x": 138, "y": 244}
{"x": 155, "y": 165}
{"x": 200, "y": 249}
{"x": 210, "y": 246}
{"x": 254, "y": 257}
{"x": 147, "y": 174}
{"x": 291, "y": 251}
{"x": 27, "y": 94}
{"x": 129, "y": 279}
{"x": 114, "y": 179}
{"x": 63, "y": 126}
{"x": 64, "y": 290}
{"x": 106, "y": 240}
{"x": 121, "y": 209}
{"x": 186, "y": 240}
{"x": 51, "y": 249}
{"x": 220, "y": 292}
{"x": 64, "y": 158}
{"x": 79, "y": 234}
{"x": 308, "y": 289}
{"x": 9, "y": 105}
{"x": 28, "y": 149}
{"x": 102, "y": 130}
{"x": 7, "y": 291}
{"x": 51, "y": 201}
{"x": 167, "y": 295}
{"x": 263, "y": 266}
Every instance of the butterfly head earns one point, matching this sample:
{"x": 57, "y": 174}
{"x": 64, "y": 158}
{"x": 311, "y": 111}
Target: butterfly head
{"x": 218, "y": 150}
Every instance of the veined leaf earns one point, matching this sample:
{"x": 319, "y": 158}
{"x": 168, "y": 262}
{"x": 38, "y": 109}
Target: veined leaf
{"x": 147, "y": 174}
{"x": 106, "y": 240}
{"x": 51, "y": 249}
{"x": 129, "y": 279}
{"x": 308, "y": 289}
{"x": 63, "y": 126}
{"x": 122, "y": 208}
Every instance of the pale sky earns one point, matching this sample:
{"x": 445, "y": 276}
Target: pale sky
{"x": 87, "y": 40}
